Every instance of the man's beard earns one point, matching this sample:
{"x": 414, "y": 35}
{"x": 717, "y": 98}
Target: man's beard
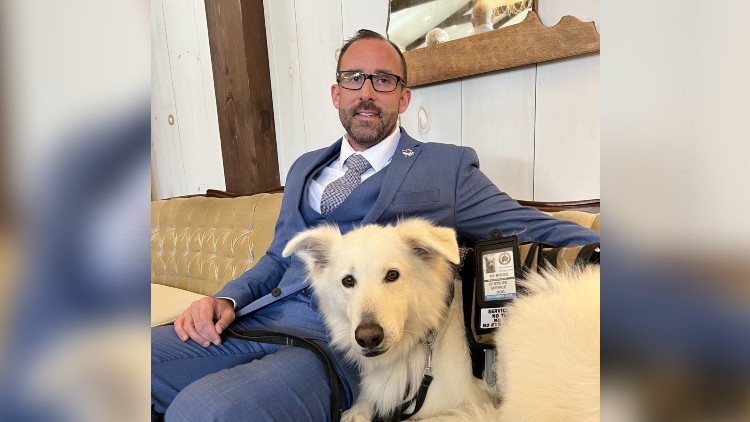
{"x": 367, "y": 134}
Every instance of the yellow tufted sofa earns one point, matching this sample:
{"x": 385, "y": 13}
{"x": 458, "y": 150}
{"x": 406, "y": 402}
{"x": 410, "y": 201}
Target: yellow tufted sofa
{"x": 200, "y": 243}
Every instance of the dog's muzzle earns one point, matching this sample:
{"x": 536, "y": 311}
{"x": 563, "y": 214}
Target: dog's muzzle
{"x": 369, "y": 336}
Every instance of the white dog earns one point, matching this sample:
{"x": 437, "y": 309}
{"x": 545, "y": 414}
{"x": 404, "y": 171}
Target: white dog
{"x": 385, "y": 293}
{"x": 390, "y": 300}
{"x": 548, "y": 349}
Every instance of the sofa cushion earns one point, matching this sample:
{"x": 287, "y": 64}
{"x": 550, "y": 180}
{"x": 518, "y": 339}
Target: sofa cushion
{"x": 167, "y": 303}
{"x": 199, "y": 244}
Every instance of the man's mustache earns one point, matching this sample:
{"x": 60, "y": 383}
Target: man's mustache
{"x": 366, "y": 107}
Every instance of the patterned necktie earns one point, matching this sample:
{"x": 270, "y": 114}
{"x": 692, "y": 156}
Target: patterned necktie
{"x": 337, "y": 191}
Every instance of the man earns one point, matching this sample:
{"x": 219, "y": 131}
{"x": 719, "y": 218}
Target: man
{"x": 436, "y": 36}
{"x": 481, "y": 17}
{"x": 400, "y": 177}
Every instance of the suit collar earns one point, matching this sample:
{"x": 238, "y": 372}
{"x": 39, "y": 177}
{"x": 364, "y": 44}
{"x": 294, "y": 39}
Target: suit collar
{"x": 297, "y": 186}
{"x": 326, "y": 156}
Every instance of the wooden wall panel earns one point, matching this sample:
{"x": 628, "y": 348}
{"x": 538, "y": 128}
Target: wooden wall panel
{"x": 567, "y": 121}
{"x": 239, "y": 57}
{"x": 186, "y": 151}
{"x": 194, "y": 106}
{"x": 498, "y": 122}
{"x": 207, "y": 75}
{"x": 319, "y": 35}
{"x": 567, "y": 130}
{"x": 440, "y": 117}
{"x": 285, "y": 69}
{"x": 166, "y": 148}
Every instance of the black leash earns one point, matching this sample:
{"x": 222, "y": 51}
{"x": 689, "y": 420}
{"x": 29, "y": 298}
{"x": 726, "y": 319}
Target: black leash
{"x": 286, "y": 339}
{"x": 419, "y": 398}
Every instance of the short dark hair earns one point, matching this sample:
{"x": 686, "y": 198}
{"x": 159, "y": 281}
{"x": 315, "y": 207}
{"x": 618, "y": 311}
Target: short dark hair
{"x": 366, "y": 34}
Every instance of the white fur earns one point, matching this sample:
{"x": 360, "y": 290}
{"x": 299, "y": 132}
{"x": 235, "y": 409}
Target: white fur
{"x": 407, "y": 309}
{"x": 548, "y": 350}
{"x": 549, "y": 346}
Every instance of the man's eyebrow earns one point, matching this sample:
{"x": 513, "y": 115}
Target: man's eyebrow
{"x": 375, "y": 72}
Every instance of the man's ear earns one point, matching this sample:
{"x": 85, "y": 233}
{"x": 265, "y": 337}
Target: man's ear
{"x": 405, "y": 100}
{"x": 335, "y": 95}
{"x": 428, "y": 241}
{"x": 314, "y": 246}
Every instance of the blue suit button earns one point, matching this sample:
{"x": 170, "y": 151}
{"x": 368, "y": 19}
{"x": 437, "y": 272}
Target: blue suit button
{"x": 275, "y": 292}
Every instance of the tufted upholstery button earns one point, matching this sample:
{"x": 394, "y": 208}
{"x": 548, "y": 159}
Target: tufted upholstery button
{"x": 275, "y": 292}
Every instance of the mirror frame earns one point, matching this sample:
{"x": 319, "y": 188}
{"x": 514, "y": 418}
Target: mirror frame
{"x": 525, "y": 43}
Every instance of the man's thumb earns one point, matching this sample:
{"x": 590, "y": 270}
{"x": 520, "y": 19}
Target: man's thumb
{"x": 223, "y": 322}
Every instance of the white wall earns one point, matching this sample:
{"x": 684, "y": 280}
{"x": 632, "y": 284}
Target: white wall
{"x": 303, "y": 41}
{"x": 185, "y": 148}
{"x": 536, "y": 128}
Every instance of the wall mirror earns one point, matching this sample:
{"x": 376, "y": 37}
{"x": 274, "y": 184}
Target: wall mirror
{"x": 515, "y": 38}
{"x": 410, "y": 21}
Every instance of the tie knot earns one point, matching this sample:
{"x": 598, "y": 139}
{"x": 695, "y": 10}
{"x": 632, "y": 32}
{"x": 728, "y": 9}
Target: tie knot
{"x": 357, "y": 163}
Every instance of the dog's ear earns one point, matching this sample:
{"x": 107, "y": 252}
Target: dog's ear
{"x": 428, "y": 240}
{"x": 313, "y": 246}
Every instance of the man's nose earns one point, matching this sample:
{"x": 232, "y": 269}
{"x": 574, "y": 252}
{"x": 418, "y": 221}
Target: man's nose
{"x": 367, "y": 90}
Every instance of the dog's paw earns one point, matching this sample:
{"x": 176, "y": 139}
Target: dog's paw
{"x": 358, "y": 413}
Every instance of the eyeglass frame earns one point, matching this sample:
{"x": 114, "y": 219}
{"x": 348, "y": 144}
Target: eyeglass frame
{"x": 399, "y": 79}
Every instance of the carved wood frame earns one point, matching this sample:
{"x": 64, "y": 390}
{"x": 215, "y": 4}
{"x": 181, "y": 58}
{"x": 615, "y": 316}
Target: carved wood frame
{"x": 525, "y": 43}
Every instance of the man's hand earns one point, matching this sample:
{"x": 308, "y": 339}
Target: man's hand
{"x": 197, "y": 322}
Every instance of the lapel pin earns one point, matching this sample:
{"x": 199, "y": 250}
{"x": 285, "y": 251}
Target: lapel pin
{"x": 407, "y": 152}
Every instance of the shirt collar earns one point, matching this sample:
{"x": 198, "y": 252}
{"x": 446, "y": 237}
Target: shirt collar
{"x": 378, "y": 156}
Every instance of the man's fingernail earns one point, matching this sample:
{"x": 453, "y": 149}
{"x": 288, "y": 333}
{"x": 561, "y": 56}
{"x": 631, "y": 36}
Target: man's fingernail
{"x": 206, "y": 344}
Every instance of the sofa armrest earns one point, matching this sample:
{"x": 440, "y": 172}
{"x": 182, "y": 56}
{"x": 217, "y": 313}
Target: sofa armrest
{"x": 168, "y": 303}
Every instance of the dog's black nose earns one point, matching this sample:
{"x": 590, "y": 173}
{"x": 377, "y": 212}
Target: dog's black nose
{"x": 369, "y": 335}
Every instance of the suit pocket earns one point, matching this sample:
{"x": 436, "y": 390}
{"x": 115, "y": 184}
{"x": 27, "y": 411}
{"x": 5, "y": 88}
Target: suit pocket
{"x": 404, "y": 198}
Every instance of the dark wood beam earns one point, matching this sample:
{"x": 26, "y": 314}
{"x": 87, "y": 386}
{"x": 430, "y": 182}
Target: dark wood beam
{"x": 239, "y": 55}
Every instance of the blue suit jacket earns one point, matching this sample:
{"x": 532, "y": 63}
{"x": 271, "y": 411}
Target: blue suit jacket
{"x": 439, "y": 182}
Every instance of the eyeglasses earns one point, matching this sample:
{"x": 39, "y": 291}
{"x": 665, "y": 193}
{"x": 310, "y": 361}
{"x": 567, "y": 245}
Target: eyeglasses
{"x": 381, "y": 82}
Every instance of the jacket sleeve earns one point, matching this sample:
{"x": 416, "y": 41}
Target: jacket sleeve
{"x": 259, "y": 280}
{"x": 481, "y": 207}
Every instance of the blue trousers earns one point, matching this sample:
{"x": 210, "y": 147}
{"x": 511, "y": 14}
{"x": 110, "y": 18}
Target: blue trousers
{"x": 242, "y": 380}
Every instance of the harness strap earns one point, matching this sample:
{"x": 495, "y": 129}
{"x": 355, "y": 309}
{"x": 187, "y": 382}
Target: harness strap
{"x": 419, "y": 398}
{"x": 589, "y": 254}
{"x": 286, "y": 339}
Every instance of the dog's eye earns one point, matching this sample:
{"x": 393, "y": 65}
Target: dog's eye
{"x": 348, "y": 281}
{"x": 391, "y": 275}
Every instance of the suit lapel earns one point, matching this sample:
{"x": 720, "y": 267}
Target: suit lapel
{"x": 325, "y": 156}
{"x": 298, "y": 187}
{"x": 406, "y": 154}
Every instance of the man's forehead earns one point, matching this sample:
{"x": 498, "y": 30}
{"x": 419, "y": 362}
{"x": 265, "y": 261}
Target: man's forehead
{"x": 371, "y": 55}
